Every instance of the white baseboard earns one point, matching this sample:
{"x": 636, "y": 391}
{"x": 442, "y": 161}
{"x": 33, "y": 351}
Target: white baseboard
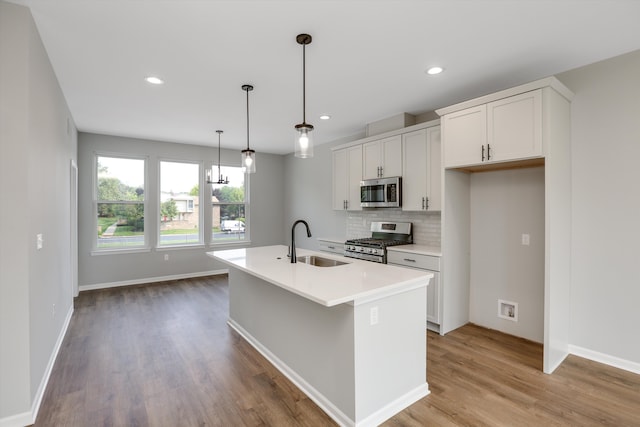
{"x": 325, "y": 404}
{"x": 19, "y": 420}
{"x": 392, "y": 408}
{"x": 607, "y": 359}
{"x": 151, "y": 280}
{"x": 28, "y": 418}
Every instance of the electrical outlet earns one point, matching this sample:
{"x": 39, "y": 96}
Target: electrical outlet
{"x": 166, "y": 257}
{"x": 39, "y": 241}
{"x": 373, "y": 316}
{"x": 525, "y": 239}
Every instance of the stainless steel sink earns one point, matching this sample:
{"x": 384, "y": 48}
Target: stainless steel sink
{"x": 320, "y": 261}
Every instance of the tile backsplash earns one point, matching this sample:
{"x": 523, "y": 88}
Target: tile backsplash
{"x": 426, "y": 226}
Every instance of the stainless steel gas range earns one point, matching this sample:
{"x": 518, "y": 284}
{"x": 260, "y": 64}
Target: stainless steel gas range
{"x": 383, "y": 235}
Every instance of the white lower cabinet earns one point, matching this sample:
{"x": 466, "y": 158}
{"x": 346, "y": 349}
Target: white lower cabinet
{"x": 431, "y": 264}
{"x": 331, "y": 246}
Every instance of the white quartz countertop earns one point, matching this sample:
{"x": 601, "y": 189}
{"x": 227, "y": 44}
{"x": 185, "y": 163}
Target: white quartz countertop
{"x": 417, "y": 249}
{"x": 356, "y": 282}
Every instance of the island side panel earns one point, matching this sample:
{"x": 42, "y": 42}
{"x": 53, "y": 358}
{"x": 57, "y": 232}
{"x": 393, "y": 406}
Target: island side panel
{"x": 314, "y": 341}
{"x": 391, "y": 355}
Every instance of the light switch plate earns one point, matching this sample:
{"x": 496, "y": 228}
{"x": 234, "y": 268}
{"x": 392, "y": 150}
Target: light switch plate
{"x": 526, "y": 239}
{"x": 39, "y": 241}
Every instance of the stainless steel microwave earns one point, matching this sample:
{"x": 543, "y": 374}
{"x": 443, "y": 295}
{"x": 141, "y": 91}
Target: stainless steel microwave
{"x": 381, "y": 192}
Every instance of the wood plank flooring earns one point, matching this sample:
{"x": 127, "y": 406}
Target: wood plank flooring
{"x": 163, "y": 355}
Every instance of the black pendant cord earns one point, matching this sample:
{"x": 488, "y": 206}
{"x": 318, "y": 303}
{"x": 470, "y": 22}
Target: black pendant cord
{"x": 247, "y": 118}
{"x": 219, "y": 171}
{"x": 304, "y": 84}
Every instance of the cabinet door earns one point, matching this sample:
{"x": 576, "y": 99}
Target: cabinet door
{"x": 433, "y": 300}
{"x": 371, "y": 160}
{"x": 354, "y": 169}
{"x": 392, "y": 156}
{"x": 347, "y": 174}
{"x": 340, "y": 179}
{"x": 382, "y": 158}
{"x": 464, "y": 135}
{"x": 422, "y": 170}
{"x": 434, "y": 170}
{"x": 515, "y": 127}
{"x": 414, "y": 168}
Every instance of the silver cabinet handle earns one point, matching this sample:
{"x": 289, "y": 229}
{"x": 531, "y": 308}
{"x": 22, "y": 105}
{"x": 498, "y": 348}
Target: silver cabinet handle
{"x": 331, "y": 247}
{"x": 423, "y": 203}
{"x": 409, "y": 260}
{"x": 488, "y": 152}
{"x": 426, "y": 207}
{"x": 483, "y": 152}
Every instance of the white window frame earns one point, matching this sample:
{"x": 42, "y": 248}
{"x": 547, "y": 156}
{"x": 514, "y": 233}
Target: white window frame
{"x": 106, "y": 251}
{"x": 247, "y": 210}
{"x": 201, "y": 227}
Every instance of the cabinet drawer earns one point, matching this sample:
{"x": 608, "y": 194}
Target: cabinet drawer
{"x": 336, "y": 248}
{"x": 425, "y": 262}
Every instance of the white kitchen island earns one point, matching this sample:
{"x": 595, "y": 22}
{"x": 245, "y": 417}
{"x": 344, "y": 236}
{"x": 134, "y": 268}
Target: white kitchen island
{"x": 352, "y": 337}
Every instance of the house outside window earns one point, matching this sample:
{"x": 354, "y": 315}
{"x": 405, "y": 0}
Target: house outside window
{"x": 230, "y": 207}
{"x": 120, "y": 203}
{"x": 180, "y": 213}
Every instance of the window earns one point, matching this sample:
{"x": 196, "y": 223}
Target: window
{"x": 120, "y": 203}
{"x": 230, "y": 207}
{"x": 180, "y": 217}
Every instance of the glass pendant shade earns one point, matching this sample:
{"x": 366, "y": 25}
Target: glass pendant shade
{"x": 248, "y": 160}
{"x": 304, "y": 141}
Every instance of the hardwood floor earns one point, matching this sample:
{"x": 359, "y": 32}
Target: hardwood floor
{"x": 163, "y": 355}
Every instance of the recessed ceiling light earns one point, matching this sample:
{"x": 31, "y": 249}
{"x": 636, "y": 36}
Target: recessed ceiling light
{"x": 154, "y": 80}
{"x": 435, "y": 70}
{"x": 325, "y": 117}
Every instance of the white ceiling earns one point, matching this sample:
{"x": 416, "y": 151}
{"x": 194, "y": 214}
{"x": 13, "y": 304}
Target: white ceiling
{"x": 367, "y": 60}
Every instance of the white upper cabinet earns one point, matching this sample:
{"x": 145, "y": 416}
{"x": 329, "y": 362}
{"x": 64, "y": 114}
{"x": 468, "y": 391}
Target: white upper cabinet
{"x": 465, "y": 135}
{"x": 500, "y": 131}
{"x": 382, "y": 158}
{"x": 515, "y": 127}
{"x": 347, "y": 174}
{"x": 422, "y": 170}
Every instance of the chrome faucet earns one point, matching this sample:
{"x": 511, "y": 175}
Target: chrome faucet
{"x": 293, "y": 238}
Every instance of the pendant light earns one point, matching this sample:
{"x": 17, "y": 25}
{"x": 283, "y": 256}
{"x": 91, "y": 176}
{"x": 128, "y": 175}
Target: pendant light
{"x": 304, "y": 131}
{"x": 209, "y": 172}
{"x": 248, "y": 155}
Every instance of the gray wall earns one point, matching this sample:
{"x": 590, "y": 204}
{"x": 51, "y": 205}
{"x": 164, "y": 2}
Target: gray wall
{"x": 37, "y": 143}
{"x": 265, "y": 214}
{"x": 505, "y": 205}
{"x": 606, "y": 206}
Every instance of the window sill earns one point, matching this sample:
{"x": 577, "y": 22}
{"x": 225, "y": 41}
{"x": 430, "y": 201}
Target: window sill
{"x": 100, "y": 252}
{"x": 179, "y": 247}
{"x": 229, "y": 244}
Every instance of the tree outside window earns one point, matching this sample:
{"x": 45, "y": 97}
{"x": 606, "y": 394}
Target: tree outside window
{"x": 120, "y": 203}
{"x": 180, "y": 216}
{"x": 229, "y": 202}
